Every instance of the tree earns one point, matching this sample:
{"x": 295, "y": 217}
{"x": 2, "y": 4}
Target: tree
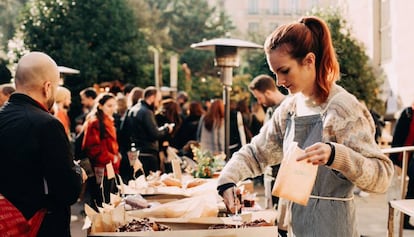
{"x": 172, "y": 26}
{"x": 98, "y": 37}
{"x": 9, "y": 9}
{"x": 191, "y": 21}
{"x": 358, "y": 75}
{"x": 188, "y": 22}
{"x": 150, "y": 22}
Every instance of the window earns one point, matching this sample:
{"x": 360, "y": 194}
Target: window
{"x": 253, "y": 7}
{"x": 312, "y": 4}
{"x": 274, "y": 7}
{"x": 292, "y": 7}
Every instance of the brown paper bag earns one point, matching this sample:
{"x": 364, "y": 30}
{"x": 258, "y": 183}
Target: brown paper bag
{"x": 295, "y": 180}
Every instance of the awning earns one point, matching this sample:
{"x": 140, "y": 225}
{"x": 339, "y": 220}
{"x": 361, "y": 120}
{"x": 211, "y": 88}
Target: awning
{"x": 68, "y": 70}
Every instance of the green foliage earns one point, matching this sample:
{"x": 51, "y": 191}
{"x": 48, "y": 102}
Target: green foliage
{"x": 109, "y": 39}
{"x": 210, "y": 87}
{"x": 201, "y": 62}
{"x": 9, "y": 9}
{"x": 207, "y": 163}
{"x": 188, "y": 22}
{"x": 150, "y": 22}
{"x": 240, "y": 87}
{"x": 172, "y": 26}
{"x": 206, "y": 88}
{"x": 257, "y": 63}
{"x": 98, "y": 37}
{"x": 358, "y": 76}
{"x": 191, "y": 21}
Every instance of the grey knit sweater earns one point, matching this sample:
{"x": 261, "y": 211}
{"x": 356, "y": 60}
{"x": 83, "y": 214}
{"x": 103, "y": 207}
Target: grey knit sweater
{"x": 348, "y": 125}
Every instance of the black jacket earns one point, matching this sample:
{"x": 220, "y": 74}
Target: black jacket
{"x": 400, "y": 134}
{"x": 143, "y": 128}
{"x": 34, "y": 147}
{"x": 187, "y": 132}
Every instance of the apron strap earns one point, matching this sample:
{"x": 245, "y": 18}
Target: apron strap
{"x": 333, "y": 198}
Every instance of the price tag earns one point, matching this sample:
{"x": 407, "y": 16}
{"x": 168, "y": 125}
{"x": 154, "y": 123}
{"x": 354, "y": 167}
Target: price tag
{"x": 138, "y": 165}
{"x": 176, "y": 169}
{"x": 110, "y": 171}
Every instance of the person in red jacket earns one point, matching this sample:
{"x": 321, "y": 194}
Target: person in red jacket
{"x": 101, "y": 146}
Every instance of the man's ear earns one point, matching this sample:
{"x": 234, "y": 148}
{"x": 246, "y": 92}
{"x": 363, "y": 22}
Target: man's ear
{"x": 47, "y": 88}
{"x": 309, "y": 59}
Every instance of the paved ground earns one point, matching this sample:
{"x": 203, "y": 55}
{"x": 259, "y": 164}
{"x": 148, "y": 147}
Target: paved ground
{"x": 372, "y": 213}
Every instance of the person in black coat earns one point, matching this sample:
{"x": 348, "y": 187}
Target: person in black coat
{"x": 401, "y": 133}
{"x": 144, "y": 131}
{"x": 404, "y": 136}
{"x": 188, "y": 130}
{"x": 38, "y": 169}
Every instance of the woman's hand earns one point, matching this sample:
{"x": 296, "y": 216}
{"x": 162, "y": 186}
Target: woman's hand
{"x": 84, "y": 175}
{"x": 317, "y": 154}
{"x": 231, "y": 201}
{"x": 117, "y": 158}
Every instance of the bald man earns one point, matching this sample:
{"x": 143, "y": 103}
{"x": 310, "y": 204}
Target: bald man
{"x": 38, "y": 169}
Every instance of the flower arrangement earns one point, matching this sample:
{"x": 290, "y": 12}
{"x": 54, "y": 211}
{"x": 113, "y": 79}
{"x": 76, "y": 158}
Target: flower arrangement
{"x": 207, "y": 163}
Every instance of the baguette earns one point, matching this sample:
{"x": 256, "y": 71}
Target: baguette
{"x": 195, "y": 183}
{"x": 170, "y": 181}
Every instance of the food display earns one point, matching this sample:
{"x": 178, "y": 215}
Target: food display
{"x": 184, "y": 203}
{"x": 134, "y": 202}
{"x": 144, "y": 224}
{"x": 254, "y": 223}
{"x": 257, "y": 223}
{"x": 195, "y": 182}
{"x": 156, "y": 184}
{"x": 168, "y": 180}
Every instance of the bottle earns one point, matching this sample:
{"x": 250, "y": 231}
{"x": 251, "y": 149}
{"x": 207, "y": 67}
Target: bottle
{"x": 132, "y": 154}
{"x": 268, "y": 179}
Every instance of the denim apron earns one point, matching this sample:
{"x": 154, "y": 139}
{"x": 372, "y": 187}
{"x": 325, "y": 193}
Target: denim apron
{"x": 331, "y": 209}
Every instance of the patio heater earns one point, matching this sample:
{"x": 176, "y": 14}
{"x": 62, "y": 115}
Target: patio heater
{"x": 63, "y": 71}
{"x": 226, "y": 58}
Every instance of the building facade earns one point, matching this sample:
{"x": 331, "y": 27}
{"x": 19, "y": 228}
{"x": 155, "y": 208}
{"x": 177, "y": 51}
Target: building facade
{"x": 263, "y": 16}
{"x": 383, "y": 26}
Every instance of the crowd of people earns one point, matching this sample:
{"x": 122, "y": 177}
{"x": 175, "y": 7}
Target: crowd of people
{"x": 302, "y": 108}
{"x": 109, "y": 125}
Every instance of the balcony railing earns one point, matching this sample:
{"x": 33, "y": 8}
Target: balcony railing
{"x": 404, "y": 150}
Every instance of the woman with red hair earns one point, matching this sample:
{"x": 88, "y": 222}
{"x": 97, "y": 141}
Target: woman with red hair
{"x": 211, "y": 132}
{"x": 101, "y": 146}
{"x": 334, "y": 131}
